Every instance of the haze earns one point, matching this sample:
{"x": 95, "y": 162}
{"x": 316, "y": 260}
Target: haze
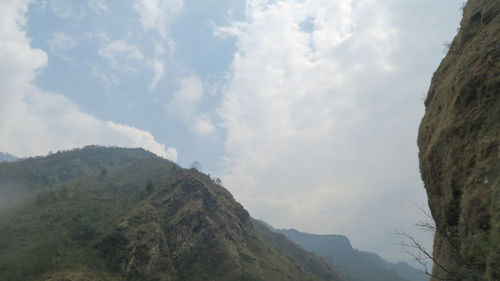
{"x": 307, "y": 110}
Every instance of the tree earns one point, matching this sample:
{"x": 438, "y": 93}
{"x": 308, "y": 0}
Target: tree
{"x": 196, "y": 166}
{"x": 414, "y": 248}
{"x": 218, "y": 181}
{"x": 104, "y": 172}
{"x": 150, "y": 186}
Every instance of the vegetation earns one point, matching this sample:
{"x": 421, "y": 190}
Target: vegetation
{"x": 48, "y": 171}
{"x": 57, "y": 229}
{"x": 196, "y": 165}
{"x": 112, "y": 223}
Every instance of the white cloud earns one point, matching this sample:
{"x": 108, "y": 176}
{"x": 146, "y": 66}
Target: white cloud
{"x": 122, "y": 55}
{"x": 158, "y": 72}
{"x": 203, "y": 126}
{"x": 157, "y": 14}
{"x": 61, "y": 41}
{"x": 66, "y": 9}
{"x": 116, "y": 48}
{"x": 98, "y": 6}
{"x": 109, "y": 80}
{"x": 126, "y": 57}
{"x": 185, "y": 104}
{"x": 157, "y": 65}
{"x": 319, "y": 123}
{"x": 34, "y": 122}
{"x": 185, "y": 101}
{"x": 130, "y": 136}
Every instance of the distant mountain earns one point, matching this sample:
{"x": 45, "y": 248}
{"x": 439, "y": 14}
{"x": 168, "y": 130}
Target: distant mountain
{"x": 6, "y": 157}
{"x": 351, "y": 264}
{"x": 124, "y": 214}
{"x": 303, "y": 258}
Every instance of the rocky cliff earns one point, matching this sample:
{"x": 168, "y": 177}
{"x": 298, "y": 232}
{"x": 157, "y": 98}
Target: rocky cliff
{"x": 192, "y": 229}
{"x": 459, "y": 142}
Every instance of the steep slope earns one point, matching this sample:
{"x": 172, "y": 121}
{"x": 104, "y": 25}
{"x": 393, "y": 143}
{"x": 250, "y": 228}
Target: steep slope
{"x": 353, "y": 265}
{"x": 145, "y": 219}
{"x": 459, "y": 142}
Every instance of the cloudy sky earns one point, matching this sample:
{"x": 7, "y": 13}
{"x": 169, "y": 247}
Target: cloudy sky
{"x": 307, "y": 110}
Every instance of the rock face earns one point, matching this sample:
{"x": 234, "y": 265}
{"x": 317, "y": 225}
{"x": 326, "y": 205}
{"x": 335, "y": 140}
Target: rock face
{"x": 459, "y": 142}
{"x": 192, "y": 229}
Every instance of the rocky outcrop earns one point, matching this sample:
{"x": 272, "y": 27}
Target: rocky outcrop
{"x": 138, "y": 247}
{"x": 189, "y": 228}
{"x": 459, "y": 142}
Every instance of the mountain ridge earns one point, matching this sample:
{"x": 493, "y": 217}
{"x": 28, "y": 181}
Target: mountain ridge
{"x": 127, "y": 215}
{"x": 352, "y": 264}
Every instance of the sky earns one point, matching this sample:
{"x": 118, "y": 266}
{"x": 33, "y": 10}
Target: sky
{"x": 308, "y": 110}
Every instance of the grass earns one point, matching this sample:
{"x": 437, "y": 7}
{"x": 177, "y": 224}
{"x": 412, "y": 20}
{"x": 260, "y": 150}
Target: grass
{"x": 95, "y": 224}
{"x": 58, "y": 228}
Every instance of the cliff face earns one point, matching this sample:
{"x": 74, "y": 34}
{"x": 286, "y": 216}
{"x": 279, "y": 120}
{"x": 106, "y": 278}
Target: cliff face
{"x": 459, "y": 142}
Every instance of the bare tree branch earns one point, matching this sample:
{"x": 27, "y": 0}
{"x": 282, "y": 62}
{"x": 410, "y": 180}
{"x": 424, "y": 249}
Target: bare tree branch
{"x": 421, "y": 255}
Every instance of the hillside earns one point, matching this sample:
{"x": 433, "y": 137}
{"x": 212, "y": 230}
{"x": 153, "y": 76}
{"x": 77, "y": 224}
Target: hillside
{"x": 23, "y": 178}
{"x": 125, "y": 214}
{"x": 459, "y": 143}
{"x": 36, "y": 172}
{"x": 353, "y": 265}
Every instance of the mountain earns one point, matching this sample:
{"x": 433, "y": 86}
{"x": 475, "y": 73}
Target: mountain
{"x": 6, "y": 157}
{"x": 124, "y": 214}
{"x": 311, "y": 262}
{"x": 351, "y": 264}
{"x": 36, "y": 172}
{"x": 459, "y": 149}
{"x": 21, "y": 179}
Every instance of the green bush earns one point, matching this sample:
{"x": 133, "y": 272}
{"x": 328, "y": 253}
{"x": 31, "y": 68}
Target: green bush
{"x": 150, "y": 186}
{"x": 83, "y": 231}
{"x": 29, "y": 265}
